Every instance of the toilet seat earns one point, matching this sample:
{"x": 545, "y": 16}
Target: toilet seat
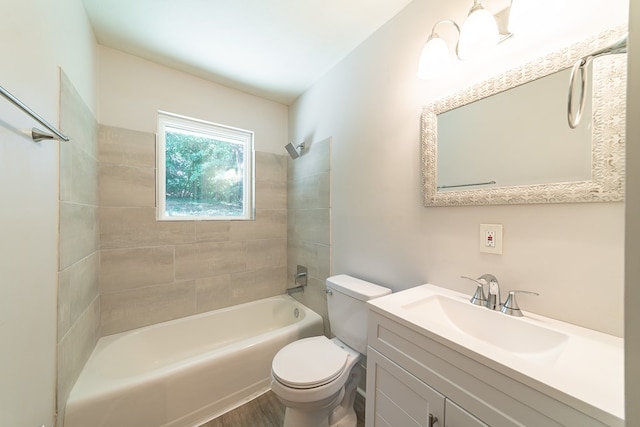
{"x": 309, "y": 363}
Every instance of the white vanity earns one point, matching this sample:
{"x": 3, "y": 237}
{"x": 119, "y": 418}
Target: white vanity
{"x": 435, "y": 359}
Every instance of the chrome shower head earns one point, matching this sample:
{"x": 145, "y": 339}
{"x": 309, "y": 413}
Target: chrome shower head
{"x": 294, "y": 150}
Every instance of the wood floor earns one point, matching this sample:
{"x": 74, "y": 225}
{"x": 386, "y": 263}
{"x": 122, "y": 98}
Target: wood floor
{"x": 266, "y": 411}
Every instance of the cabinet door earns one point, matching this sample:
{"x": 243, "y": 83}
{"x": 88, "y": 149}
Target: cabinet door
{"x": 397, "y": 398}
{"x": 455, "y": 416}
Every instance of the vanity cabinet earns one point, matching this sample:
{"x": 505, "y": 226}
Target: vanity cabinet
{"x": 400, "y": 399}
{"x": 412, "y": 376}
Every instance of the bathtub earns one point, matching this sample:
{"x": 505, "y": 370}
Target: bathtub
{"x": 187, "y": 371}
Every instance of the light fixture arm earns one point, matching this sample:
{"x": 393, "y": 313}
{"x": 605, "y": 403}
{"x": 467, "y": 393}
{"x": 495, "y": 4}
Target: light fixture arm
{"x": 434, "y": 34}
{"x": 477, "y": 4}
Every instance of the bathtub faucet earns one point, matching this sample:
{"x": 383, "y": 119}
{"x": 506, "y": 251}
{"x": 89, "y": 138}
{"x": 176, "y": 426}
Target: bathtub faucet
{"x": 295, "y": 289}
{"x": 299, "y": 280}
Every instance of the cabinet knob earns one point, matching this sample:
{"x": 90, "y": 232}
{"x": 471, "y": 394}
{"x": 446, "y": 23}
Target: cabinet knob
{"x": 432, "y": 420}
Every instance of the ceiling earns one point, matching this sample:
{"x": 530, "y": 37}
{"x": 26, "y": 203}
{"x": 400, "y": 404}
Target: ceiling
{"x": 275, "y": 49}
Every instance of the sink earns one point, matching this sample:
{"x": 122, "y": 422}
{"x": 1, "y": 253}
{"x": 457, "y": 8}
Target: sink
{"x": 511, "y": 334}
{"x": 555, "y": 357}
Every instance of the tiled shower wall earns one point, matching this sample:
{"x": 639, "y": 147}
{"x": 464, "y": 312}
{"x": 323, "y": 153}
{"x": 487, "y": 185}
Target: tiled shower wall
{"x": 78, "y": 296}
{"x": 309, "y": 225}
{"x": 152, "y": 271}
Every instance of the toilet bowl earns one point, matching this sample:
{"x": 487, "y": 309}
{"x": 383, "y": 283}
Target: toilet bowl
{"x": 317, "y": 378}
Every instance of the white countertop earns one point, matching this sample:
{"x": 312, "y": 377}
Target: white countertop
{"x": 587, "y": 368}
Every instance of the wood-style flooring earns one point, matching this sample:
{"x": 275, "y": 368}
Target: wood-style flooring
{"x": 266, "y": 411}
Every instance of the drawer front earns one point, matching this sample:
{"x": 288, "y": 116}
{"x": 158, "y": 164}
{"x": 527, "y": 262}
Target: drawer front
{"x": 455, "y": 416}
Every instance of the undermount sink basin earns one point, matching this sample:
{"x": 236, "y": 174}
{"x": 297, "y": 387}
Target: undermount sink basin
{"x": 492, "y": 327}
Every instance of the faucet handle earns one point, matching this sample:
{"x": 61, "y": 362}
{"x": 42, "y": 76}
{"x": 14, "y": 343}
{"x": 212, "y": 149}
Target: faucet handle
{"x": 511, "y": 307}
{"x": 478, "y": 297}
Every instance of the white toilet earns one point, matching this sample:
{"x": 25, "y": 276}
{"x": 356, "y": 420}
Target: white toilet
{"x": 316, "y": 378}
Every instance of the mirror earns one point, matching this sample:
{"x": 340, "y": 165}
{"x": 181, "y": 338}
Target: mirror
{"x": 507, "y": 141}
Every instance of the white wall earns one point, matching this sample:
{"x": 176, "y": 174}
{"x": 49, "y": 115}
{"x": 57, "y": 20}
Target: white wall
{"x": 632, "y": 249}
{"x": 370, "y": 104}
{"x": 132, "y": 90}
{"x": 36, "y": 37}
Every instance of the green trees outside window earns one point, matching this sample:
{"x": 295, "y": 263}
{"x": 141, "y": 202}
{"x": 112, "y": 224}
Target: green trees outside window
{"x": 203, "y": 176}
{"x": 205, "y": 172}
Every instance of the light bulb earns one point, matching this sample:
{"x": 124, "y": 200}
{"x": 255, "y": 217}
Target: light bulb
{"x": 479, "y": 34}
{"x": 434, "y": 59}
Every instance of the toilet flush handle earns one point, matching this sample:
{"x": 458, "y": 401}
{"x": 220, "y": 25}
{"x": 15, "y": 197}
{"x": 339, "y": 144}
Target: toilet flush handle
{"x": 328, "y": 291}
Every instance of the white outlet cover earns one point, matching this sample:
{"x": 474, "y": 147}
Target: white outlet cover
{"x": 497, "y": 238}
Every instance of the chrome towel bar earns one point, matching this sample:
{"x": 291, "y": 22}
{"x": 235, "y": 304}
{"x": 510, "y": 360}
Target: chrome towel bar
{"x": 466, "y": 185}
{"x": 36, "y": 134}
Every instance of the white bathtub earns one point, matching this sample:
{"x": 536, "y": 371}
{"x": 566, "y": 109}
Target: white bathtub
{"x": 186, "y": 371}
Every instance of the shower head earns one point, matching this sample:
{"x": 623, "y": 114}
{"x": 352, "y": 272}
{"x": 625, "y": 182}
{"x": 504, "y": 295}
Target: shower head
{"x": 294, "y": 150}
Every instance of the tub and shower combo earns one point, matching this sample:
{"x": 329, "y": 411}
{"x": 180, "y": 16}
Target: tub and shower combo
{"x": 186, "y": 371}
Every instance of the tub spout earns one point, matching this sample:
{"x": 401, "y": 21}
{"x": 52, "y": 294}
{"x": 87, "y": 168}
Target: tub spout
{"x": 296, "y": 289}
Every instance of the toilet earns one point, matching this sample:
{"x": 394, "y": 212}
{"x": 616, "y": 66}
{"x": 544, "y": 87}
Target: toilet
{"x": 316, "y": 378}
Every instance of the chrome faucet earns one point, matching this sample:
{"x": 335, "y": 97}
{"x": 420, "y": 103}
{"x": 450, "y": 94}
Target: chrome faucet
{"x": 300, "y": 280}
{"x": 511, "y": 306}
{"x": 492, "y": 300}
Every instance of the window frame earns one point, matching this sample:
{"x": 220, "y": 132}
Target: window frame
{"x": 215, "y": 131}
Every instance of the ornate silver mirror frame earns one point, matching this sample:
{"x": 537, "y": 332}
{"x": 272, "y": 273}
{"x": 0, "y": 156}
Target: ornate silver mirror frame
{"x": 608, "y": 132}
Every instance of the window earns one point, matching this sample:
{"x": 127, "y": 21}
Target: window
{"x": 205, "y": 170}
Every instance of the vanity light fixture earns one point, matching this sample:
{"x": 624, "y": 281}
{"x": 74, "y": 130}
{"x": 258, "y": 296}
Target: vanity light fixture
{"x": 478, "y": 35}
{"x": 479, "y": 32}
{"x": 435, "y": 59}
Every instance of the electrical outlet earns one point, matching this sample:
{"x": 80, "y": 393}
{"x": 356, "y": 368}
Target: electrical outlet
{"x": 491, "y": 238}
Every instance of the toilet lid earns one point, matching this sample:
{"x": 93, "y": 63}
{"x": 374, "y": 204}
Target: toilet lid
{"x": 309, "y": 362}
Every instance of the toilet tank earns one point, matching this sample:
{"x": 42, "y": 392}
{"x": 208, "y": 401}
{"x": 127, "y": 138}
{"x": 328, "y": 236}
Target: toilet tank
{"x": 347, "y": 302}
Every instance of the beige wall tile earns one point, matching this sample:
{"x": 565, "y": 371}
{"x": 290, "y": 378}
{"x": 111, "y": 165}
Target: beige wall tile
{"x": 77, "y": 289}
{"x": 269, "y": 224}
{"x": 309, "y": 192}
{"x": 84, "y": 178}
{"x": 78, "y": 175}
{"x": 324, "y": 261}
{"x": 122, "y": 185}
{"x": 213, "y": 293}
{"x": 75, "y": 347}
{"x": 66, "y": 175}
{"x": 267, "y": 253}
{"x": 271, "y": 195}
{"x": 310, "y": 225}
{"x": 253, "y": 285}
{"x": 127, "y": 147}
{"x": 213, "y": 231}
{"x": 137, "y": 227}
{"x": 78, "y": 232}
{"x": 209, "y": 259}
{"x": 122, "y": 269}
{"x": 76, "y": 119}
{"x": 125, "y": 310}
{"x": 271, "y": 167}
